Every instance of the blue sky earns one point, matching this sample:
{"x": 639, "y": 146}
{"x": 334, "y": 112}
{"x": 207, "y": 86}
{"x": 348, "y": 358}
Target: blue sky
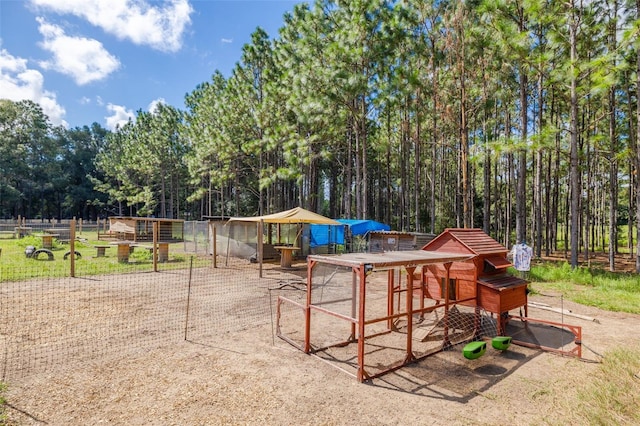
{"x": 87, "y": 61}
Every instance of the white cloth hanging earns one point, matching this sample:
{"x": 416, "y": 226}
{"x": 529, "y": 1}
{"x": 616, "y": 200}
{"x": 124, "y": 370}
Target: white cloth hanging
{"x": 522, "y": 255}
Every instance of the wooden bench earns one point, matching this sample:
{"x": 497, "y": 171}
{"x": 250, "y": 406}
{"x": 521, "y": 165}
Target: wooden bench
{"x": 101, "y": 250}
{"x": 142, "y": 246}
{"x": 163, "y": 250}
{"x": 124, "y": 248}
{"x": 47, "y": 240}
{"x": 22, "y": 231}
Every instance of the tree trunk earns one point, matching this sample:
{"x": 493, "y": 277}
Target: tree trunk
{"x": 573, "y": 155}
{"x": 613, "y": 177}
{"x": 637, "y": 186}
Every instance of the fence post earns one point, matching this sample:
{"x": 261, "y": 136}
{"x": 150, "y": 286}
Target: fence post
{"x": 215, "y": 247}
{"x": 186, "y": 320}
{"x": 195, "y": 238}
{"x": 155, "y": 245}
{"x": 72, "y": 246}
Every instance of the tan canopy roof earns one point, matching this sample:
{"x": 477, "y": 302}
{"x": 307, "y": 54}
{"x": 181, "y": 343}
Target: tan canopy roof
{"x": 296, "y": 215}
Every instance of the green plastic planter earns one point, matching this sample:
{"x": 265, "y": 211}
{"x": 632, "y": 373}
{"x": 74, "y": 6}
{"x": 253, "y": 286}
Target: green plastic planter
{"x": 501, "y": 343}
{"x": 474, "y": 350}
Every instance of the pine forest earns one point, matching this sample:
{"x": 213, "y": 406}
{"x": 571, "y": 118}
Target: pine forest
{"x": 519, "y": 117}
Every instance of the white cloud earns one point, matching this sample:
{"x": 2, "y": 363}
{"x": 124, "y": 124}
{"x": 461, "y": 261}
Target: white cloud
{"x": 154, "y": 104}
{"x": 84, "y": 59}
{"x": 84, "y": 100}
{"x": 121, "y": 116}
{"x": 227, "y": 40}
{"x": 160, "y": 27}
{"x": 17, "y": 83}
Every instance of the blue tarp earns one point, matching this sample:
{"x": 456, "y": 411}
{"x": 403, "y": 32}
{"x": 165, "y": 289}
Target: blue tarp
{"x": 322, "y": 235}
{"x": 361, "y": 227}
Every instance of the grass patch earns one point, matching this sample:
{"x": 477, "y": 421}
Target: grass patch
{"x": 611, "y": 291}
{"x": 612, "y": 396}
{"x": 3, "y": 404}
{"x": 15, "y": 266}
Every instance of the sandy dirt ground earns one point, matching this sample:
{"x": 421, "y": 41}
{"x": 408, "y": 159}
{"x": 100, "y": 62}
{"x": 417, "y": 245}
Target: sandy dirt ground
{"x": 250, "y": 377}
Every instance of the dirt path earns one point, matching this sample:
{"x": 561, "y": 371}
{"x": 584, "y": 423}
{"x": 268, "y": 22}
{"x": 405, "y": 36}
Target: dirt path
{"x": 250, "y": 378}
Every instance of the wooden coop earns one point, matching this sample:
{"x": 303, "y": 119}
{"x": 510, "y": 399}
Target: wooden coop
{"x": 481, "y": 281}
{"x": 372, "y": 313}
{"x": 141, "y": 229}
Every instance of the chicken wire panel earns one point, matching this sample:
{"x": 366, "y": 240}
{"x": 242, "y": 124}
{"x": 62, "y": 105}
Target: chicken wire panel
{"x": 196, "y": 237}
{"x": 236, "y": 240}
{"x": 53, "y": 322}
{"x": 438, "y": 335}
{"x": 450, "y": 330}
{"x": 289, "y": 313}
{"x": 337, "y": 288}
{"x": 225, "y": 300}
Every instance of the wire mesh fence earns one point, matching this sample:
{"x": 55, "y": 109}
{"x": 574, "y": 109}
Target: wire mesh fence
{"x": 48, "y": 321}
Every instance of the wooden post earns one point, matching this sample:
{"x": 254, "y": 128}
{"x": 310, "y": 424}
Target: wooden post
{"x": 72, "y": 246}
{"x": 155, "y": 246}
{"x": 215, "y": 247}
{"x": 390, "y": 297}
{"x": 260, "y": 242}
{"x": 307, "y": 308}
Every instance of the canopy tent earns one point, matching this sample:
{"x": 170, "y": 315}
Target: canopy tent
{"x": 331, "y": 234}
{"x": 295, "y": 216}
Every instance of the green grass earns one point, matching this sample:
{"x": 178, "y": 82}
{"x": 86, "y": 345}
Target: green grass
{"x": 3, "y": 403}
{"x": 611, "y": 396}
{"x": 15, "y": 266}
{"x": 611, "y": 291}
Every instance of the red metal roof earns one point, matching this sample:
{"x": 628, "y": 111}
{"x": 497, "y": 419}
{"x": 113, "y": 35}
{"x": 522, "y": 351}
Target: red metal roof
{"x": 474, "y": 240}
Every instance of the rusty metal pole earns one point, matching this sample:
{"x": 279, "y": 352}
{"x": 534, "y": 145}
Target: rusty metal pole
{"x": 410, "y": 271}
{"x": 447, "y": 267}
{"x": 361, "y": 319}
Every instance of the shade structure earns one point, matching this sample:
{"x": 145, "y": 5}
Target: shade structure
{"x": 295, "y": 215}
